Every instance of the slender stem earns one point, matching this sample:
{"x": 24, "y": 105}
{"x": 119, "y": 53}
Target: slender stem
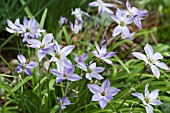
{"x": 130, "y": 92}
{"x": 18, "y": 44}
{"x": 134, "y": 107}
{"x": 112, "y": 107}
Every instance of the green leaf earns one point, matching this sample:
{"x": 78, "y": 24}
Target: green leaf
{"x": 66, "y": 34}
{"x": 41, "y": 81}
{"x": 43, "y": 18}
{"x": 20, "y": 84}
{"x": 5, "y": 86}
{"x": 55, "y": 109}
{"x": 121, "y": 63}
{"x": 27, "y": 10}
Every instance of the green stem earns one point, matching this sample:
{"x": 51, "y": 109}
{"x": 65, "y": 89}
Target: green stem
{"x": 130, "y": 92}
{"x": 112, "y": 107}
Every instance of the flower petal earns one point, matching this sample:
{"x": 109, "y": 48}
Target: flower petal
{"x": 94, "y": 88}
{"x": 67, "y": 50}
{"x": 106, "y": 84}
{"x": 157, "y": 56}
{"x": 74, "y": 77}
{"x": 55, "y": 72}
{"x": 155, "y": 71}
{"x": 138, "y": 95}
{"x": 28, "y": 71}
{"x": 154, "y": 94}
{"x": 102, "y": 103}
{"x": 146, "y": 90}
{"x": 108, "y": 61}
{"x": 115, "y": 18}
{"x": 96, "y": 97}
{"x": 94, "y": 4}
{"x": 99, "y": 69}
{"x": 47, "y": 38}
{"x": 21, "y": 58}
{"x": 32, "y": 64}
{"x": 149, "y": 109}
{"x": 117, "y": 31}
{"x": 155, "y": 102}
{"x": 149, "y": 51}
{"x": 109, "y": 54}
{"x": 162, "y": 65}
{"x": 128, "y": 6}
{"x": 139, "y": 56}
{"x": 59, "y": 79}
{"x": 41, "y": 54}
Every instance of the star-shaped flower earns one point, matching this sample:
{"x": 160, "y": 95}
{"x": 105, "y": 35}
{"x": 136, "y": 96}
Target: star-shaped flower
{"x": 44, "y": 47}
{"x": 64, "y": 73}
{"x": 104, "y": 93}
{"x": 91, "y": 70}
{"x": 122, "y": 21}
{"x": 148, "y": 99}
{"x": 22, "y": 66}
{"x": 103, "y": 7}
{"x": 152, "y": 60}
{"x": 103, "y": 54}
{"x": 63, "y": 102}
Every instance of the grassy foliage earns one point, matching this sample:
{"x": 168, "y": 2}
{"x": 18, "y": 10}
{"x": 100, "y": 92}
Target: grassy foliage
{"x": 38, "y": 93}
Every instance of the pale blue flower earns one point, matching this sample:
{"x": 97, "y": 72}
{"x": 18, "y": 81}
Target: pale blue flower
{"x": 104, "y": 93}
{"x": 152, "y": 60}
{"x": 148, "y": 99}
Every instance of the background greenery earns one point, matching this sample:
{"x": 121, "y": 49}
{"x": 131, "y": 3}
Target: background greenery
{"x": 156, "y": 30}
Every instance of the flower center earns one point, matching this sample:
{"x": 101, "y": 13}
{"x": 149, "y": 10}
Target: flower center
{"x": 121, "y": 24}
{"x": 42, "y": 46}
{"x": 103, "y": 94}
{"x": 28, "y": 30}
{"x": 89, "y": 71}
{"x": 146, "y": 100}
{"x": 65, "y": 75}
{"x": 57, "y": 56}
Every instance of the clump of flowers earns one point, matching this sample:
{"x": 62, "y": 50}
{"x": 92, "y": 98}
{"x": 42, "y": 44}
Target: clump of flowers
{"x": 71, "y": 64}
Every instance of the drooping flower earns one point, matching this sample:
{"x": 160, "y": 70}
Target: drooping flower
{"x": 91, "y": 70}
{"x": 104, "y": 93}
{"x": 152, "y": 60}
{"x": 76, "y": 28}
{"x": 64, "y": 73}
{"x": 148, "y": 99}
{"x": 122, "y": 21}
{"x": 118, "y": 1}
{"x": 63, "y": 21}
{"x": 22, "y": 66}
{"x": 63, "y": 102}
{"x": 136, "y": 13}
{"x": 59, "y": 55}
{"x": 31, "y": 29}
{"x": 78, "y": 14}
{"x": 14, "y": 27}
{"x": 80, "y": 59}
{"x": 129, "y": 36}
{"x": 44, "y": 47}
{"x": 102, "y": 7}
{"x": 103, "y": 54}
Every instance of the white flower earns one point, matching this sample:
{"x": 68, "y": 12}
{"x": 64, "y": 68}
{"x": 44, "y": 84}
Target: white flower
{"x": 78, "y": 14}
{"x": 152, "y": 59}
{"x": 149, "y": 99}
{"x": 103, "y": 7}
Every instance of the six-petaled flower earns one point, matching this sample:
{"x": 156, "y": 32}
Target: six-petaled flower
{"x": 22, "y": 66}
{"x": 148, "y": 99}
{"x": 152, "y": 60}
{"x": 103, "y": 94}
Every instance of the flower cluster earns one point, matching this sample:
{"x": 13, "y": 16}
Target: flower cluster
{"x": 48, "y": 49}
{"x": 30, "y": 29}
